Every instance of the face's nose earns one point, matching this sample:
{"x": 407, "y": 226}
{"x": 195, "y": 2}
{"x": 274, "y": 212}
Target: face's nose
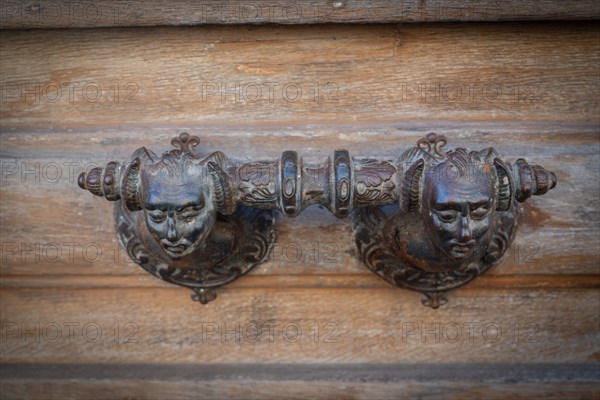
{"x": 171, "y": 229}
{"x": 465, "y": 232}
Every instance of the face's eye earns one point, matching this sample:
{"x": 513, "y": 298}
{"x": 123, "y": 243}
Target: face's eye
{"x": 480, "y": 212}
{"x": 189, "y": 214}
{"x": 447, "y": 215}
{"x": 157, "y": 216}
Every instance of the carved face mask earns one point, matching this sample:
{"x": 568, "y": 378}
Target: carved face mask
{"x": 178, "y": 209}
{"x": 457, "y": 203}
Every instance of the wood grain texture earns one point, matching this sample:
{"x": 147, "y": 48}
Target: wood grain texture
{"x": 298, "y": 326}
{"x": 259, "y": 381}
{"x": 286, "y": 76}
{"x": 87, "y": 14}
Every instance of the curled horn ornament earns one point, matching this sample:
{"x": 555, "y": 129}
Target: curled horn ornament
{"x": 412, "y": 185}
{"x": 222, "y": 189}
{"x": 505, "y": 193}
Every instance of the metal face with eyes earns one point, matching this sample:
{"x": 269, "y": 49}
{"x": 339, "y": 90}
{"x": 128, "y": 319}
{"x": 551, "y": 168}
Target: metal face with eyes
{"x": 177, "y": 202}
{"x": 177, "y": 214}
{"x": 456, "y": 211}
{"x": 456, "y": 217}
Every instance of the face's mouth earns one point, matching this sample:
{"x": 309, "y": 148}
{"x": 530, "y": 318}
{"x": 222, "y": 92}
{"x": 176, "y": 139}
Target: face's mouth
{"x": 175, "y": 249}
{"x": 460, "y": 250}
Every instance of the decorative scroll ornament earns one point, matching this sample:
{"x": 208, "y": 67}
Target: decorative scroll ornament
{"x": 455, "y": 219}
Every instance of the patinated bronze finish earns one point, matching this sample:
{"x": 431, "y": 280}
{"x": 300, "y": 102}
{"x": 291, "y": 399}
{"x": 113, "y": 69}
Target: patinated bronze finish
{"x": 455, "y": 219}
{"x": 430, "y": 221}
{"x": 177, "y": 217}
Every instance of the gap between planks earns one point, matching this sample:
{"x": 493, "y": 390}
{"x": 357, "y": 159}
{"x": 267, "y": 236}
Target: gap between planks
{"x": 351, "y": 281}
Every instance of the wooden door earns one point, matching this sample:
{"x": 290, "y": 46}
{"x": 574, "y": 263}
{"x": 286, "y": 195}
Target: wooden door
{"x": 80, "y": 320}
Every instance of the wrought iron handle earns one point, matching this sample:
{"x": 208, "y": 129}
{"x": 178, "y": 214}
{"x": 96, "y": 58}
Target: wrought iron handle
{"x": 207, "y": 219}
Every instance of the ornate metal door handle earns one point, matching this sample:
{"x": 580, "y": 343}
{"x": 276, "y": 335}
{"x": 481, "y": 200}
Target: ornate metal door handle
{"x": 456, "y": 217}
{"x": 207, "y": 219}
{"x": 178, "y": 216}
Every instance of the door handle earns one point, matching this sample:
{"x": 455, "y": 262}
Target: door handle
{"x": 430, "y": 221}
{"x": 456, "y": 218}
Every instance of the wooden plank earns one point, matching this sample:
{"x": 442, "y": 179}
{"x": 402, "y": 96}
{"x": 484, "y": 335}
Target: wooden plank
{"x": 49, "y": 226}
{"x": 256, "y": 381}
{"x": 299, "y": 326}
{"x": 291, "y": 75}
{"x": 87, "y": 14}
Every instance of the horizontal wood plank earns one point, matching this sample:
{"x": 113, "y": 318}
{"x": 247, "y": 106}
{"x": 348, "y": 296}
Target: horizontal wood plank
{"x": 256, "y": 381}
{"x": 299, "y": 326}
{"x": 79, "y": 320}
{"x": 286, "y": 76}
{"x": 103, "y": 13}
